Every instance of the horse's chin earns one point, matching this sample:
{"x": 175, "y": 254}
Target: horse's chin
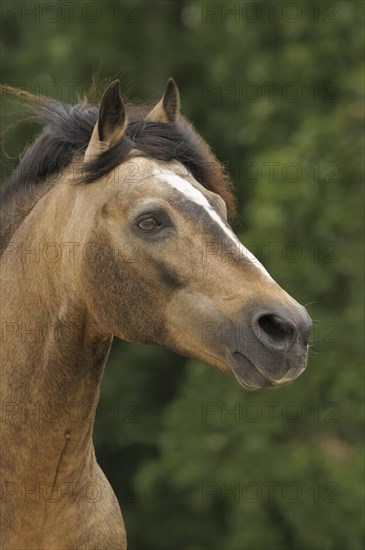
{"x": 247, "y": 374}
{"x": 251, "y": 377}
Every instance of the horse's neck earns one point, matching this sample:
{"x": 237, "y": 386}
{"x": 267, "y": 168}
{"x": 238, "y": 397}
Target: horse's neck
{"x": 52, "y": 361}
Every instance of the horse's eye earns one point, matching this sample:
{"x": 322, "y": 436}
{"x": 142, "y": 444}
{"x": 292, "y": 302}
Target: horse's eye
{"x": 148, "y": 224}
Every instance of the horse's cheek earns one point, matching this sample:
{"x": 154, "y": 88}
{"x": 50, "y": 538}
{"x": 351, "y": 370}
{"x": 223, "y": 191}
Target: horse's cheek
{"x": 120, "y": 299}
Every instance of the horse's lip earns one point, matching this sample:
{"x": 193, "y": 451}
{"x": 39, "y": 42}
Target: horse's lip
{"x": 247, "y": 374}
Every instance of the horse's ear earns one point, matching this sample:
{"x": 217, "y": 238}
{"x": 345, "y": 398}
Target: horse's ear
{"x": 111, "y": 124}
{"x": 168, "y": 108}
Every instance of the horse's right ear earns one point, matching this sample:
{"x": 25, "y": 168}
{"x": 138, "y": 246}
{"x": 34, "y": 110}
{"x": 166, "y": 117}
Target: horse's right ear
{"x": 168, "y": 108}
{"x": 111, "y": 124}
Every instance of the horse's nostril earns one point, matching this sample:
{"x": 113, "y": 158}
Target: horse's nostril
{"x": 278, "y": 329}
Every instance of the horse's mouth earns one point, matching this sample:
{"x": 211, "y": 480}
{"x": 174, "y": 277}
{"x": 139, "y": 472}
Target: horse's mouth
{"x": 248, "y": 375}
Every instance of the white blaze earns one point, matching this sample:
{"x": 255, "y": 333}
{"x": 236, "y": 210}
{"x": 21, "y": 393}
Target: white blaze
{"x": 193, "y": 194}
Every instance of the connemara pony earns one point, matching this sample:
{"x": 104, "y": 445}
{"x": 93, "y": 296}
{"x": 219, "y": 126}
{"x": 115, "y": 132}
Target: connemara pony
{"x": 115, "y": 224}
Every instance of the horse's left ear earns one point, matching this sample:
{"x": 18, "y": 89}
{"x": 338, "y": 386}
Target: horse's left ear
{"x": 111, "y": 124}
{"x": 168, "y": 108}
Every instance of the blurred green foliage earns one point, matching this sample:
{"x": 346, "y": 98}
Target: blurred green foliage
{"x": 276, "y": 90}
